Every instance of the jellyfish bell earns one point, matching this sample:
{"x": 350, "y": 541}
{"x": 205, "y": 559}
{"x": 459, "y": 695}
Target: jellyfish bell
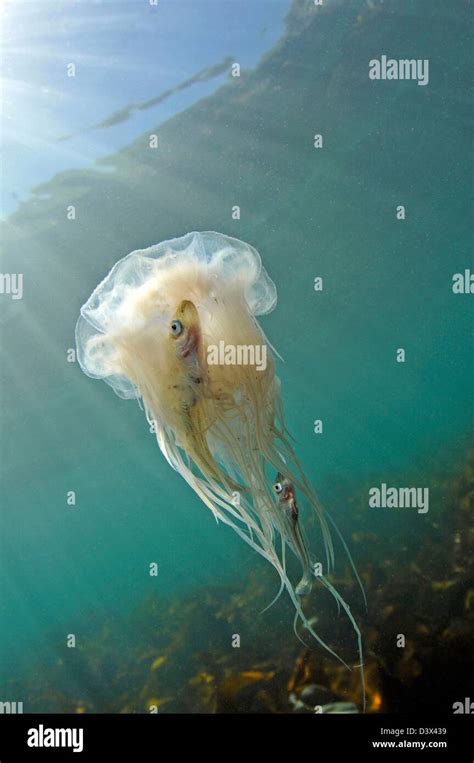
{"x": 132, "y": 308}
{"x": 150, "y": 329}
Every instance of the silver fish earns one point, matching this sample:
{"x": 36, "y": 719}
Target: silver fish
{"x": 286, "y": 501}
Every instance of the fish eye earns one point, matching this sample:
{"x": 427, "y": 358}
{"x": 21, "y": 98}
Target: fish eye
{"x": 176, "y": 328}
{"x": 278, "y": 487}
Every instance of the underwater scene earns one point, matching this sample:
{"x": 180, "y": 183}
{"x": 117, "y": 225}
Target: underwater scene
{"x": 252, "y": 220}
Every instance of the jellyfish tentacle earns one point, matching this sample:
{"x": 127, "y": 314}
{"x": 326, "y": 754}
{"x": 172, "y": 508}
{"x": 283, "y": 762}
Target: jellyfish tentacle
{"x": 347, "y": 610}
{"x": 349, "y": 556}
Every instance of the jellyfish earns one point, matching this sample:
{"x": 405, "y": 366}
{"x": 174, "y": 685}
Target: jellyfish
{"x": 175, "y": 327}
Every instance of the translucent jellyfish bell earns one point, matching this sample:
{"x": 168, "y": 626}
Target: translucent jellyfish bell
{"x": 144, "y": 287}
{"x": 175, "y": 325}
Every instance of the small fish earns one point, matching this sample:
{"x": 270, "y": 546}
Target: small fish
{"x": 185, "y": 336}
{"x": 185, "y": 333}
{"x": 185, "y": 330}
{"x": 286, "y": 501}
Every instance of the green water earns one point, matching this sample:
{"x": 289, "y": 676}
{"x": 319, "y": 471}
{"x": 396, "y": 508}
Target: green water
{"x": 327, "y": 212}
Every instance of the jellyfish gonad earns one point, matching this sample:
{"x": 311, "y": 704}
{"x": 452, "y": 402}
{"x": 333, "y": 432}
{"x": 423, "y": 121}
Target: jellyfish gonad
{"x": 175, "y": 326}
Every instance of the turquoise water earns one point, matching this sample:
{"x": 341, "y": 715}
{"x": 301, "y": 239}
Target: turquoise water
{"x": 327, "y": 212}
